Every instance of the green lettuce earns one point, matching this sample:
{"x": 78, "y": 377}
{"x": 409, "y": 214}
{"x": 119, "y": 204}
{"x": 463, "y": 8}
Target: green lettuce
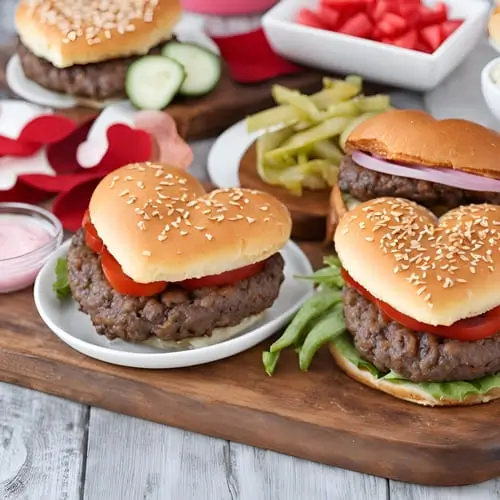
{"x": 438, "y": 390}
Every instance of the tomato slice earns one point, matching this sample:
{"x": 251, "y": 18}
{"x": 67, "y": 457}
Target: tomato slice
{"x": 227, "y": 278}
{"x": 120, "y": 282}
{"x": 358, "y": 25}
{"x": 432, "y": 37}
{"x": 470, "y": 329}
{"x": 309, "y": 18}
{"x": 91, "y": 237}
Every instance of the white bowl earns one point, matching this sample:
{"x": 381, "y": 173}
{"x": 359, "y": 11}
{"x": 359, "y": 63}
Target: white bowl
{"x": 377, "y": 62}
{"x": 491, "y": 90}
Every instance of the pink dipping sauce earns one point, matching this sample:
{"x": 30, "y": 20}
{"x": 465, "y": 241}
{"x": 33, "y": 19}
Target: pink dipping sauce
{"x": 24, "y": 246}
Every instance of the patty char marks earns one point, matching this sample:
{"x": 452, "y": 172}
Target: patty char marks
{"x": 175, "y": 314}
{"x": 416, "y": 356}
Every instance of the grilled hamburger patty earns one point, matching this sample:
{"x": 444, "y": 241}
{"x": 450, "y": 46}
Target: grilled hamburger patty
{"x": 176, "y": 313}
{"x": 416, "y": 356}
{"x": 366, "y": 184}
{"x": 97, "y": 81}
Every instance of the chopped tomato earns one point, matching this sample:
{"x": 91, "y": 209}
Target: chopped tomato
{"x": 391, "y": 25}
{"x": 227, "y": 278}
{"x": 91, "y": 237}
{"x": 377, "y": 10}
{"x": 309, "y": 18}
{"x": 449, "y": 27}
{"x": 470, "y": 329}
{"x": 330, "y": 17}
{"x": 432, "y": 37}
{"x": 125, "y": 285}
{"x": 410, "y": 12}
{"x": 421, "y": 47}
{"x": 406, "y": 41}
{"x": 358, "y": 25}
{"x": 429, "y": 16}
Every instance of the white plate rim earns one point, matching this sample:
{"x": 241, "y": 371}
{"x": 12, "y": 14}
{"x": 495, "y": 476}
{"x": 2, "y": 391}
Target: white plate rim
{"x": 178, "y": 359}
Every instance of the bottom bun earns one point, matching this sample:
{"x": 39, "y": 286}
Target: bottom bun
{"x": 218, "y": 335}
{"x": 404, "y": 391}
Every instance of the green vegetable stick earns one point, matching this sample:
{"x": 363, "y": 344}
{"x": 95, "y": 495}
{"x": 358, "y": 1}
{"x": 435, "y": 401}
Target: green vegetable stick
{"x": 312, "y": 308}
{"x": 329, "y": 326}
{"x": 270, "y": 359}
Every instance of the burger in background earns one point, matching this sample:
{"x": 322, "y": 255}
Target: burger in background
{"x": 160, "y": 261}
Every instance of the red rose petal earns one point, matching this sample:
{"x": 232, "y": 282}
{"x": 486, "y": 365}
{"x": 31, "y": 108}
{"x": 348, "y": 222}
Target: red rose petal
{"x": 48, "y": 129}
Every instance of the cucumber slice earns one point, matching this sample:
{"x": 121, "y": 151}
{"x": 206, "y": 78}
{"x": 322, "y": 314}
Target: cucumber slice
{"x": 203, "y": 67}
{"x": 153, "y": 81}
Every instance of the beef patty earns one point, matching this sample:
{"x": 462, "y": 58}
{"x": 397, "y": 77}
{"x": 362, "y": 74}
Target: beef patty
{"x": 98, "y": 81}
{"x": 366, "y": 184}
{"x": 416, "y": 356}
{"x": 175, "y": 314}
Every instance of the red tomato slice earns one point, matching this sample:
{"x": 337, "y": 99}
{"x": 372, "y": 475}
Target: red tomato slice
{"x": 437, "y": 15}
{"x": 330, "y": 17}
{"x": 227, "y": 278}
{"x": 91, "y": 237}
{"x": 391, "y": 25}
{"x": 309, "y": 18}
{"x": 120, "y": 282}
{"x": 358, "y": 25}
{"x": 469, "y": 329}
{"x": 449, "y": 27}
{"x": 432, "y": 36}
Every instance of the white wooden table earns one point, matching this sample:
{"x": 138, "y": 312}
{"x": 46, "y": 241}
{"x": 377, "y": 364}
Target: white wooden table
{"x": 54, "y": 449}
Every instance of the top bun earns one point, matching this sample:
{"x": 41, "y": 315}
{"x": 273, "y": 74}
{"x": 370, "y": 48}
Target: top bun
{"x": 69, "y": 32}
{"x": 414, "y": 137}
{"x": 494, "y": 24}
{"x": 160, "y": 224}
{"x": 437, "y": 271}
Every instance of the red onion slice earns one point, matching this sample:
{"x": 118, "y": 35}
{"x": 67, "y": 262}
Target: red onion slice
{"x": 446, "y": 176}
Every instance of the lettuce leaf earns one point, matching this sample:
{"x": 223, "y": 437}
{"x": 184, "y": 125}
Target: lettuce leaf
{"x": 61, "y": 284}
{"x": 439, "y": 390}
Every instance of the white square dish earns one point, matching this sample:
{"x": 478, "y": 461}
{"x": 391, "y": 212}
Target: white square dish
{"x": 377, "y": 62}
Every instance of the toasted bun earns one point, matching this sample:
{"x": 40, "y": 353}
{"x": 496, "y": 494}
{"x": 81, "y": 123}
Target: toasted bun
{"x": 89, "y": 31}
{"x": 160, "y": 225}
{"x": 437, "y": 271}
{"x": 494, "y": 24}
{"x": 407, "y": 392}
{"x": 414, "y": 137}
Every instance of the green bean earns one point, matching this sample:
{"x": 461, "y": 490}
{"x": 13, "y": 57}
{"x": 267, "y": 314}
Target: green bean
{"x": 329, "y": 326}
{"x": 270, "y": 359}
{"x": 311, "y": 309}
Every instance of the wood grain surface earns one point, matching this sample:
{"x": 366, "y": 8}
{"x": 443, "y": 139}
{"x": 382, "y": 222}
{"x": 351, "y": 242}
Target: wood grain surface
{"x": 308, "y": 211}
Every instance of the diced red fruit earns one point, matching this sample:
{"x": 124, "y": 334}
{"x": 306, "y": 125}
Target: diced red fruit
{"x": 449, "y": 27}
{"x": 330, "y": 17}
{"x": 406, "y": 41}
{"x": 309, "y": 18}
{"x": 358, "y": 25}
{"x": 437, "y": 15}
{"x": 421, "y": 47}
{"x": 377, "y": 10}
{"x": 410, "y": 12}
{"x": 342, "y": 5}
{"x": 432, "y": 36}
{"x": 391, "y": 25}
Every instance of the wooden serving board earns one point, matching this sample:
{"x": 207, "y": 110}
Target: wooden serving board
{"x": 207, "y": 116}
{"x": 321, "y": 415}
{"x": 308, "y": 211}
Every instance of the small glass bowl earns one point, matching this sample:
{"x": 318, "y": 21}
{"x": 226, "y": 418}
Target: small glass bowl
{"x": 19, "y": 272}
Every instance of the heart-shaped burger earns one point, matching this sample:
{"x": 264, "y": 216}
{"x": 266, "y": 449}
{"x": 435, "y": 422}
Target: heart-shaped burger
{"x": 160, "y": 259}
{"x": 422, "y": 300}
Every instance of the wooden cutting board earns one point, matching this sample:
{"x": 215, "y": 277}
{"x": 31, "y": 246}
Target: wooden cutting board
{"x": 207, "y": 116}
{"x": 321, "y": 415}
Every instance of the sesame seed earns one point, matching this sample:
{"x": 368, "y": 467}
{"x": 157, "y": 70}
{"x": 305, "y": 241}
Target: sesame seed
{"x": 209, "y": 237}
{"x": 251, "y": 220}
{"x": 141, "y": 225}
{"x": 146, "y": 253}
{"x": 183, "y": 233}
{"x": 124, "y": 192}
{"x": 162, "y": 237}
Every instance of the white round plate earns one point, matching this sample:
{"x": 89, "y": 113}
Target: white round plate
{"x": 189, "y": 29}
{"x": 75, "y": 328}
{"x": 225, "y": 155}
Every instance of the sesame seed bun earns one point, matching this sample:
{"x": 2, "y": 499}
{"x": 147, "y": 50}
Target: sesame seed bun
{"x": 415, "y": 137}
{"x": 437, "y": 271}
{"x": 407, "y": 392}
{"x": 160, "y": 225}
{"x": 72, "y": 32}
